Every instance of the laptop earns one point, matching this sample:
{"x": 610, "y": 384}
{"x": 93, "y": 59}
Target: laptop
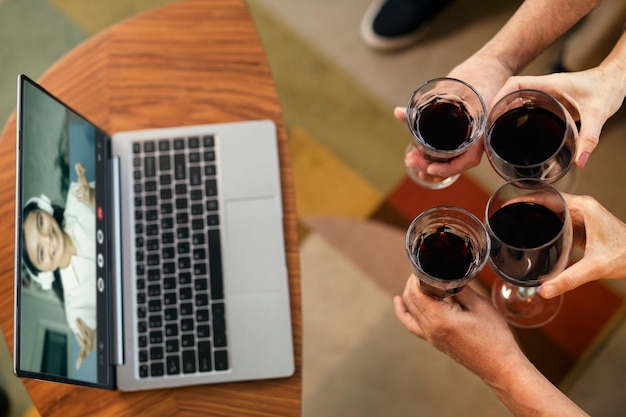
{"x": 147, "y": 259}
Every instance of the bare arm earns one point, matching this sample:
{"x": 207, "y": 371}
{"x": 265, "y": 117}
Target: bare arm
{"x": 535, "y": 25}
{"x": 472, "y": 332}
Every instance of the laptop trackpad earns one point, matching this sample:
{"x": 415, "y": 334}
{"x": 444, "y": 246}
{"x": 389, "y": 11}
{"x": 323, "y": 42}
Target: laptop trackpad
{"x": 256, "y": 254}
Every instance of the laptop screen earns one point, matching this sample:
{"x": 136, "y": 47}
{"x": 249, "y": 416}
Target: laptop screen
{"x": 62, "y": 319}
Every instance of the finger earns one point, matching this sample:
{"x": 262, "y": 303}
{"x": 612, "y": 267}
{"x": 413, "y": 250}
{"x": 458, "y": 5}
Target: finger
{"x": 405, "y": 317}
{"x": 415, "y": 158}
{"x": 468, "y": 298}
{"x": 400, "y": 113}
{"x": 80, "y": 172}
{"x": 459, "y": 164}
{"x": 588, "y": 139}
{"x": 80, "y": 359}
{"x": 573, "y": 277}
{"x": 80, "y": 324}
{"x": 80, "y": 193}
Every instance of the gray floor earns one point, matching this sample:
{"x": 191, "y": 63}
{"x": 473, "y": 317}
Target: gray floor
{"x": 333, "y": 27}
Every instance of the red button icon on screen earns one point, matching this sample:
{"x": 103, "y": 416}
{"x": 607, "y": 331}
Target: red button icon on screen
{"x": 100, "y": 213}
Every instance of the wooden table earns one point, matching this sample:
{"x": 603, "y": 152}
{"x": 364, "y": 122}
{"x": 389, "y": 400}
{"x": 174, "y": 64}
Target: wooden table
{"x": 191, "y": 62}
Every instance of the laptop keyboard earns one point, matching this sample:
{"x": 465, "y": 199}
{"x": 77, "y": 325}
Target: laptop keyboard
{"x": 180, "y": 298}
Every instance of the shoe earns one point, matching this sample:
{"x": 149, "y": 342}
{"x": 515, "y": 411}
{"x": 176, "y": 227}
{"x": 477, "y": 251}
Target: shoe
{"x": 394, "y": 24}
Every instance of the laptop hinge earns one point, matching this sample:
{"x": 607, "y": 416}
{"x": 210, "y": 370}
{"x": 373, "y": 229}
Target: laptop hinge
{"x": 116, "y": 270}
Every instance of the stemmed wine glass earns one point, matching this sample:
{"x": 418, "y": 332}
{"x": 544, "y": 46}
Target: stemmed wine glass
{"x": 531, "y": 242}
{"x": 447, "y": 246}
{"x": 531, "y": 135}
{"x": 446, "y": 117}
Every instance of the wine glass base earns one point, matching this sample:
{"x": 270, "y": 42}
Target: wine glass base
{"x": 433, "y": 183}
{"x": 523, "y": 306}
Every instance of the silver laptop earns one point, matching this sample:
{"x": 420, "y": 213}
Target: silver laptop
{"x": 147, "y": 259}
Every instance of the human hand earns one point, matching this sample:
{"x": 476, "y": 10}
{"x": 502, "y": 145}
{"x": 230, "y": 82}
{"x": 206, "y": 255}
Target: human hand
{"x": 591, "y": 96}
{"x": 603, "y": 237}
{"x": 84, "y": 193}
{"x": 465, "y": 327}
{"x": 486, "y": 75}
{"x": 87, "y": 339}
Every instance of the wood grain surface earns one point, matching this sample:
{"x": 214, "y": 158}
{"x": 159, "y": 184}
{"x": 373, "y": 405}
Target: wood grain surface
{"x": 191, "y": 62}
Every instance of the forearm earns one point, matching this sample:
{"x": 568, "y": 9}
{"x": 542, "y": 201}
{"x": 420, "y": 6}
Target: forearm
{"x": 615, "y": 63}
{"x": 535, "y": 25}
{"x": 526, "y": 392}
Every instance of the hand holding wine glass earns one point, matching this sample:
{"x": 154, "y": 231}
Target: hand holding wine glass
{"x": 531, "y": 242}
{"x": 530, "y": 135}
{"x": 603, "y": 237}
{"x": 446, "y": 118}
{"x": 447, "y": 246}
{"x": 474, "y": 329}
{"x": 593, "y": 96}
{"x": 469, "y": 329}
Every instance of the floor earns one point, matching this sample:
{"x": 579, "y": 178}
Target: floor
{"x": 373, "y": 367}
{"x": 332, "y": 27}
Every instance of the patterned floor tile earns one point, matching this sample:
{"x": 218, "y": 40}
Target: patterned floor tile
{"x": 324, "y": 184}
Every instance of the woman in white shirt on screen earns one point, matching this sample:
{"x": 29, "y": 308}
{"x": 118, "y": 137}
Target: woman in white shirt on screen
{"x": 59, "y": 250}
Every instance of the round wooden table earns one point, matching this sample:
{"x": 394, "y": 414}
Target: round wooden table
{"x": 191, "y": 62}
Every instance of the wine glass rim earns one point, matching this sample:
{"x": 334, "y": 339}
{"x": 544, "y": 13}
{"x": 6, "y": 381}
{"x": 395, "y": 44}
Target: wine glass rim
{"x": 563, "y": 116}
{"x": 512, "y": 183}
{"x": 482, "y": 120}
{"x": 480, "y": 225}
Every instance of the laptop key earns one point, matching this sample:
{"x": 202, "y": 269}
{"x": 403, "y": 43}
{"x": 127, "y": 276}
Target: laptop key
{"x": 173, "y": 365}
{"x": 221, "y": 360}
{"x": 171, "y": 346}
{"x": 164, "y": 145}
{"x": 187, "y": 340}
{"x": 210, "y": 187}
{"x": 203, "y": 331}
{"x": 179, "y": 144}
{"x": 195, "y": 175}
{"x": 194, "y": 142}
{"x": 149, "y": 168}
{"x": 219, "y": 324}
{"x": 215, "y": 265}
{"x": 180, "y": 170}
{"x": 189, "y": 361}
{"x": 156, "y": 369}
{"x": 208, "y": 141}
{"x": 148, "y": 146}
{"x": 156, "y": 353}
{"x": 204, "y": 356}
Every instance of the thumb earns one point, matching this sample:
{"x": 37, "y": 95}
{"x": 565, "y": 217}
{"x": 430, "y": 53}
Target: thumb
{"x": 573, "y": 277}
{"x": 400, "y": 113}
{"x": 467, "y": 298}
{"x": 588, "y": 139}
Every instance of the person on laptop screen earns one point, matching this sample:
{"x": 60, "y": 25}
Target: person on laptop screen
{"x": 59, "y": 242}
{"x": 59, "y": 247}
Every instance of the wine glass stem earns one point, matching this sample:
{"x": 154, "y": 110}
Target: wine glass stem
{"x": 526, "y": 293}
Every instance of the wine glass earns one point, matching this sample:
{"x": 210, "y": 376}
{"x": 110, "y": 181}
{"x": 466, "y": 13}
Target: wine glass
{"x": 531, "y": 135}
{"x": 446, "y": 117}
{"x": 447, "y": 246}
{"x": 531, "y": 242}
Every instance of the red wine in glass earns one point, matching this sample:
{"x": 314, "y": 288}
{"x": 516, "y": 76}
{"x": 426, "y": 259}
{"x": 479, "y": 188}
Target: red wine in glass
{"x": 444, "y": 254}
{"x": 447, "y": 246}
{"x": 530, "y": 136}
{"x": 527, "y": 243}
{"x": 444, "y": 125}
{"x": 446, "y": 117}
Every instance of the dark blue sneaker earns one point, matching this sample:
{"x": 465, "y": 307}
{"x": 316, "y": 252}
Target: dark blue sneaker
{"x": 395, "y": 24}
